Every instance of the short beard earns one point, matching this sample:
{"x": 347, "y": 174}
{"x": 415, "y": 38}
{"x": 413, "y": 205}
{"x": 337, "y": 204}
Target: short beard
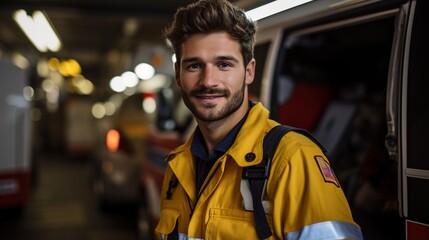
{"x": 234, "y": 102}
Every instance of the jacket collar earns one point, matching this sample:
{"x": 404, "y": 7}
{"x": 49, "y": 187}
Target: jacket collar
{"x": 247, "y": 147}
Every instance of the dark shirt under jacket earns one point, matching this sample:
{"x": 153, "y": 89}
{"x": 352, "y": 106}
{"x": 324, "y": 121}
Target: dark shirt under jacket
{"x": 204, "y": 161}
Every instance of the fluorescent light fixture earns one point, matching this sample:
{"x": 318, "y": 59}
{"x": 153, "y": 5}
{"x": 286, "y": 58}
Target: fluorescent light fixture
{"x": 273, "y": 8}
{"x": 38, "y": 30}
{"x": 46, "y": 31}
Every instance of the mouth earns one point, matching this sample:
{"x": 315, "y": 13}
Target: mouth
{"x": 208, "y": 100}
{"x": 209, "y": 95}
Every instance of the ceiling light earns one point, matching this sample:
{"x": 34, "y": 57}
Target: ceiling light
{"x": 38, "y": 30}
{"x": 273, "y": 8}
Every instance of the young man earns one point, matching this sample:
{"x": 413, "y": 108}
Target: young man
{"x": 201, "y": 194}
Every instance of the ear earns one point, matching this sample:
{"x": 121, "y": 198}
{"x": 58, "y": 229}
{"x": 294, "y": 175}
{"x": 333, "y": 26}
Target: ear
{"x": 177, "y": 74}
{"x": 250, "y": 71}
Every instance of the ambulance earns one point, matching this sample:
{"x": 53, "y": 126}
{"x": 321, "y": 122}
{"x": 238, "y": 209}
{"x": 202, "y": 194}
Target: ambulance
{"x": 15, "y": 146}
{"x": 355, "y": 74}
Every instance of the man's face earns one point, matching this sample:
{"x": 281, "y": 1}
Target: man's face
{"x": 212, "y": 76}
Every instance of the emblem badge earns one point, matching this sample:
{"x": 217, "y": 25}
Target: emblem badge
{"x": 326, "y": 170}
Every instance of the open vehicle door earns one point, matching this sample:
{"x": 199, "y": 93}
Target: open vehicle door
{"x": 408, "y": 115}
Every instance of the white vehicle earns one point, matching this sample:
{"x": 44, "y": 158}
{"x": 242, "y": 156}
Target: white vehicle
{"x": 15, "y": 146}
{"x": 355, "y": 74}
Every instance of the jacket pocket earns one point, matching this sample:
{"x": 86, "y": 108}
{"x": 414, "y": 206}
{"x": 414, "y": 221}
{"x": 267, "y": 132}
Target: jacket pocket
{"x": 168, "y": 219}
{"x": 230, "y": 224}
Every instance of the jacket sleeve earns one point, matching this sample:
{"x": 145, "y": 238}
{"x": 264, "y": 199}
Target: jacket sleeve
{"x": 307, "y": 199}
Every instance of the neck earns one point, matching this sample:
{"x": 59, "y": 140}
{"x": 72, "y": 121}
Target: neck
{"x": 214, "y": 131}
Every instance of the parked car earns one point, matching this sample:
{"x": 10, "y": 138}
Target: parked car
{"x": 120, "y": 152}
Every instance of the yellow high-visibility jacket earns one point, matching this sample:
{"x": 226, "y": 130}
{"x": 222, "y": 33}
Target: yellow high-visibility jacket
{"x": 304, "y": 198}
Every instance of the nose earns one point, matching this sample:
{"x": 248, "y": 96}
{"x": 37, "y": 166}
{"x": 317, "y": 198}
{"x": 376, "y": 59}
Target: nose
{"x": 208, "y": 77}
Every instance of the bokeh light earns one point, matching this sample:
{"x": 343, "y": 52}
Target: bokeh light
{"x": 117, "y": 84}
{"x": 144, "y": 71}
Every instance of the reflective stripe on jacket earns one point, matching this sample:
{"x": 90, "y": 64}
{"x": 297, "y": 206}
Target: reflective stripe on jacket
{"x": 305, "y": 199}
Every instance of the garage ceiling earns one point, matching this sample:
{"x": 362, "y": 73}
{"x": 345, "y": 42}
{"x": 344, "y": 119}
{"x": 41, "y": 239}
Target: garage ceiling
{"x": 91, "y": 29}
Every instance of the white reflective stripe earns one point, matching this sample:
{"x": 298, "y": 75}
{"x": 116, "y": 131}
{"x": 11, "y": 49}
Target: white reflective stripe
{"x": 327, "y": 230}
{"x": 184, "y": 237}
{"x": 181, "y": 237}
{"x": 247, "y": 197}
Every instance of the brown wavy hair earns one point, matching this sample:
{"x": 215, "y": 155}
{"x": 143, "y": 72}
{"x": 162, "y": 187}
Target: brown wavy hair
{"x": 208, "y": 16}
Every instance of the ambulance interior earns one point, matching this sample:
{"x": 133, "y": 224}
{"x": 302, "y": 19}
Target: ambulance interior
{"x": 331, "y": 80}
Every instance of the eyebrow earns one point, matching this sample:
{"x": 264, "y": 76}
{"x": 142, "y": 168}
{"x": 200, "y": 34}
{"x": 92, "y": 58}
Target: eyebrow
{"x": 229, "y": 58}
{"x": 219, "y": 58}
{"x": 190, "y": 60}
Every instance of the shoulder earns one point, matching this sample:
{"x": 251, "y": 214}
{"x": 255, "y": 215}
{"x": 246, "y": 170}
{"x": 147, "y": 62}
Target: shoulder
{"x": 294, "y": 141}
{"x": 296, "y": 153}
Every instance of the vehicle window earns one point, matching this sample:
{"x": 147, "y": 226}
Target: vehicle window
{"x": 417, "y": 119}
{"x": 260, "y": 54}
{"x": 418, "y": 97}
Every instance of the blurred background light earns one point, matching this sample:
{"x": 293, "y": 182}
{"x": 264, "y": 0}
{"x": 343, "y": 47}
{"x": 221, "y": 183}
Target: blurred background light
{"x": 110, "y": 108}
{"x": 56, "y": 78}
{"x": 54, "y": 64}
{"x": 82, "y": 85}
{"x": 38, "y": 30}
{"x": 69, "y": 68}
{"x": 52, "y": 97}
{"x": 273, "y": 8}
{"x": 47, "y": 85}
{"x": 149, "y": 105}
{"x": 28, "y": 93}
{"x": 46, "y": 31}
{"x": 117, "y": 84}
{"x": 144, "y": 71}
{"x": 157, "y": 60}
{"x": 116, "y": 99}
{"x": 129, "y": 91}
{"x": 98, "y": 110}
{"x": 155, "y": 83}
{"x": 20, "y": 61}
{"x": 43, "y": 68}
{"x": 130, "y": 79}
{"x": 112, "y": 140}
{"x": 131, "y": 26}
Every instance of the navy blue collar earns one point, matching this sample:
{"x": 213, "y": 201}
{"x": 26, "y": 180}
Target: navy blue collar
{"x": 198, "y": 147}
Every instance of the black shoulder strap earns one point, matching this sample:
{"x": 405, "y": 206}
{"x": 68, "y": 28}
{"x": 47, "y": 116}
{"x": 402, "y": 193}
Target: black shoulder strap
{"x": 258, "y": 174}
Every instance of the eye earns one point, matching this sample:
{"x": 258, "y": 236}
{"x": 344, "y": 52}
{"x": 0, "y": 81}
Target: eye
{"x": 193, "y": 66}
{"x": 224, "y": 65}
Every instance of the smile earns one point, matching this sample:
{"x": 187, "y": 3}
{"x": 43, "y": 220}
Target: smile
{"x": 208, "y": 96}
